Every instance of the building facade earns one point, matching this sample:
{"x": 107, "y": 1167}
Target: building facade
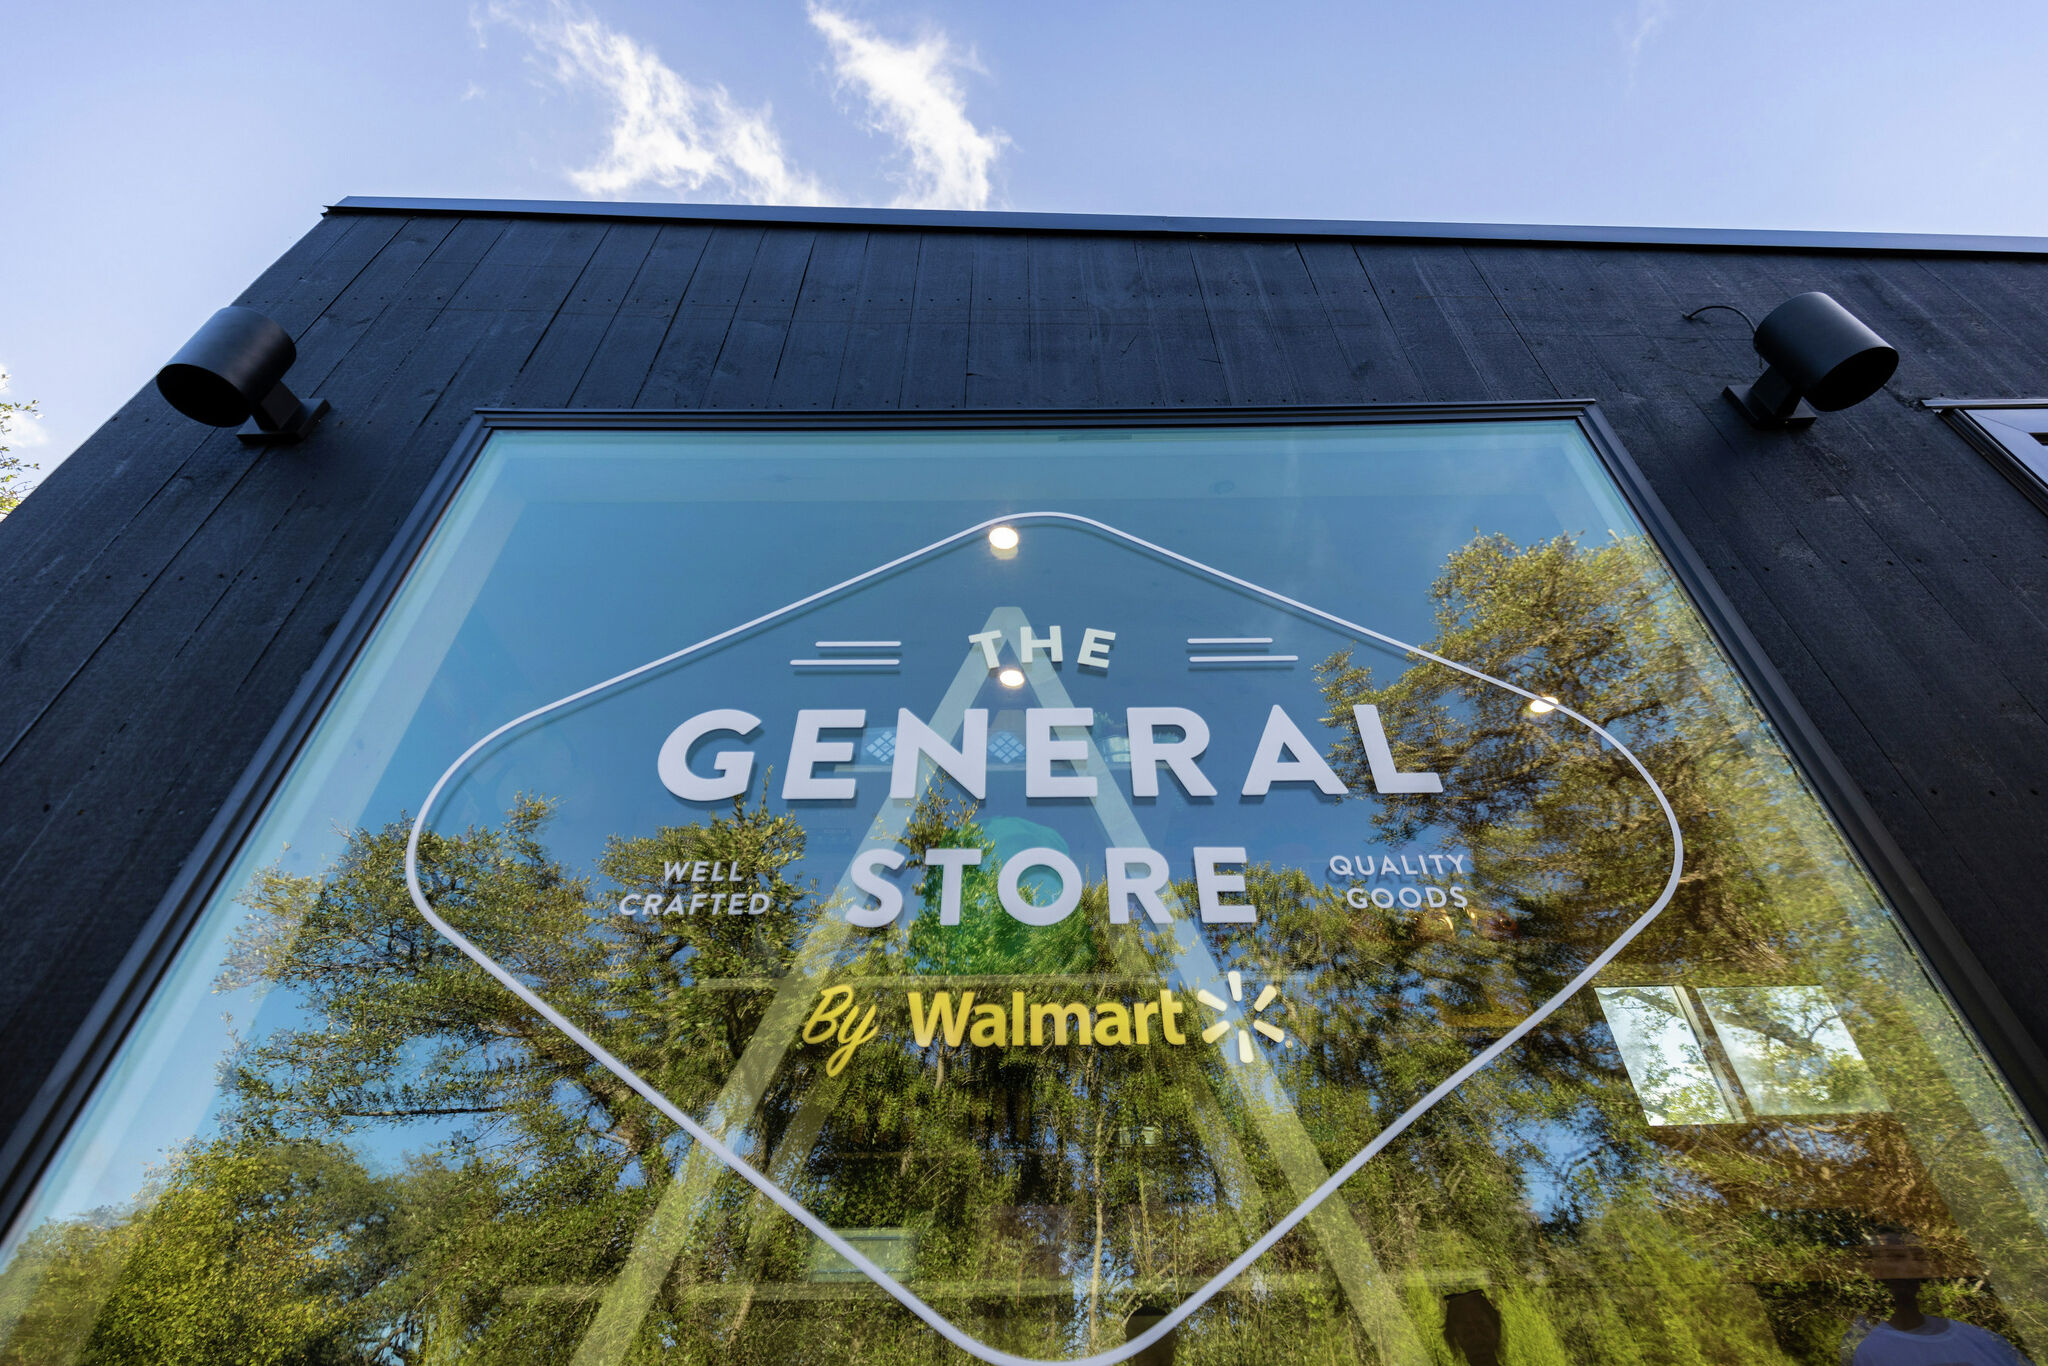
{"x": 855, "y": 785}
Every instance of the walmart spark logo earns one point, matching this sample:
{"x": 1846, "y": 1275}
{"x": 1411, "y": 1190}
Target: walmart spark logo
{"x": 1224, "y": 1026}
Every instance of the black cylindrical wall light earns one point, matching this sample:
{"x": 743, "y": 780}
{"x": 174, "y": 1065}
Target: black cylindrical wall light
{"x": 232, "y": 373}
{"x": 1819, "y": 357}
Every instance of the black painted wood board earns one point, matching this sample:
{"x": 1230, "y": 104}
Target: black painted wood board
{"x": 1258, "y": 363}
{"x": 619, "y": 370}
{"x": 935, "y": 363}
{"x": 555, "y": 370}
{"x": 1403, "y": 279}
{"x": 681, "y": 370}
{"x": 1126, "y": 358}
{"x": 1064, "y": 345}
{"x": 1378, "y": 367}
{"x": 1189, "y": 363}
{"x": 817, "y": 331}
{"x": 877, "y": 349}
{"x": 174, "y": 585}
{"x": 744, "y": 375}
{"x": 999, "y": 324}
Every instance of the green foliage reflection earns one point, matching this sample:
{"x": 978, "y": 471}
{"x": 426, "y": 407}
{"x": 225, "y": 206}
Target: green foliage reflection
{"x": 1050, "y": 1199}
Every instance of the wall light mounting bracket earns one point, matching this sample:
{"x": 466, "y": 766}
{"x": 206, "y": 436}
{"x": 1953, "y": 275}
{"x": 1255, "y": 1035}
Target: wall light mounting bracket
{"x": 1771, "y": 402}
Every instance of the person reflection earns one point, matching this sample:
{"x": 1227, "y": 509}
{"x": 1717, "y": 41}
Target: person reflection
{"x": 1472, "y": 1327}
{"x": 1912, "y": 1338}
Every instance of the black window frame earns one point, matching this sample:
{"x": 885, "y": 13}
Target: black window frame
{"x": 1973, "y": 418}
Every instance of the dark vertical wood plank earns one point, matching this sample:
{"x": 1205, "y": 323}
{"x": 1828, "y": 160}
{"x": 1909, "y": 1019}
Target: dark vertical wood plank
{"x": 555, "y": 370}
{"x": 935, "y": 366}
{"x": 1379, "y": 370}
{"x": 806, "y": 374}
{"x": 1302, "y": 325}
{"x": 1190, "y": 367}
{"x": 1127, "y": 348}
{"x": 872, "y": 371}
{"x": 1064, "y": 344}
{"x": 2004, "y": 299}
{"x": 1247, "y": 338}
{"x": 1297, "y": 324}
{"x": 744, "y": 374}
{"x": 1482, "y": 327}
{"x": 999, "y": 323}
{"x": 1451, "y": 326}
{"x": 617, "y": 373}
{"x": 328, "y": 344}
{"x": 681, "y": 371}
{"x": 1426, "y": 336}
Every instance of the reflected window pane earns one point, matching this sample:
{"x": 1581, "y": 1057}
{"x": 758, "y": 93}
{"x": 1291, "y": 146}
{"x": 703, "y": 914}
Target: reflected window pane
{"x": 1663, "y": 1055}
{"x": 1791, "y": 1051}
{"x": 892, "y": 1249}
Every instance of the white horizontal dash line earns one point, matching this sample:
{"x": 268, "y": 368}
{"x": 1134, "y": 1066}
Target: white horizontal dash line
{"x": 1242, "y": 659}
{"x": 848, "y": 663}
{"x": 856, "y": 645}
{"x": 1230, "y": 640}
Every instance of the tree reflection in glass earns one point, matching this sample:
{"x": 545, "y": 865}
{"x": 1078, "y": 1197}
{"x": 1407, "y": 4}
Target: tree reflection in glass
{"x": 1596, "y": 1188}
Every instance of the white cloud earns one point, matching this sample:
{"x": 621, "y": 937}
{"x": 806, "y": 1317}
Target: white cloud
{"x": 913, "y": 97}
{"x": 1651, "y": 15}
{"x": 671, "y": 134}
{"x": 667, "y": 133}
{"x": 25, "y": 430}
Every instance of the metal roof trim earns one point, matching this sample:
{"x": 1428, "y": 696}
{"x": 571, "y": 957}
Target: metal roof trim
{"x": 1182, "y": 226}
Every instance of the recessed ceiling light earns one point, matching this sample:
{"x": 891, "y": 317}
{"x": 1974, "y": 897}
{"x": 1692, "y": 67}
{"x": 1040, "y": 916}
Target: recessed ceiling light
{"x": 1003, "y": 538}
{"x": 1011, "y": 678}
{"x": 1542, "y": 705}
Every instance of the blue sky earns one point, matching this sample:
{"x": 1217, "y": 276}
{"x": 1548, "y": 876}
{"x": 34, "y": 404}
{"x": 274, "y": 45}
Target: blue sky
{"x": 159, "y": 156}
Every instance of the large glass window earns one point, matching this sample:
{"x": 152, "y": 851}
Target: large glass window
{"x": 1324, "y": 879}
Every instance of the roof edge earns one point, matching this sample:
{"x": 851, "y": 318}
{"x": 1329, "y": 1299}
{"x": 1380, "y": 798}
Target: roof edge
{"x": 1182, "y": 226}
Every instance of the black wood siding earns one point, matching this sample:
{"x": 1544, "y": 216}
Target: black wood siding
{"x": 168, "y": 587}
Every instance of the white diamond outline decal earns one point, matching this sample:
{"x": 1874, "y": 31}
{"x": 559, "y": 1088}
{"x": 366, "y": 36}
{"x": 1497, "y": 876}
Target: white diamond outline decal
{"x": 760, "y": 1181}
